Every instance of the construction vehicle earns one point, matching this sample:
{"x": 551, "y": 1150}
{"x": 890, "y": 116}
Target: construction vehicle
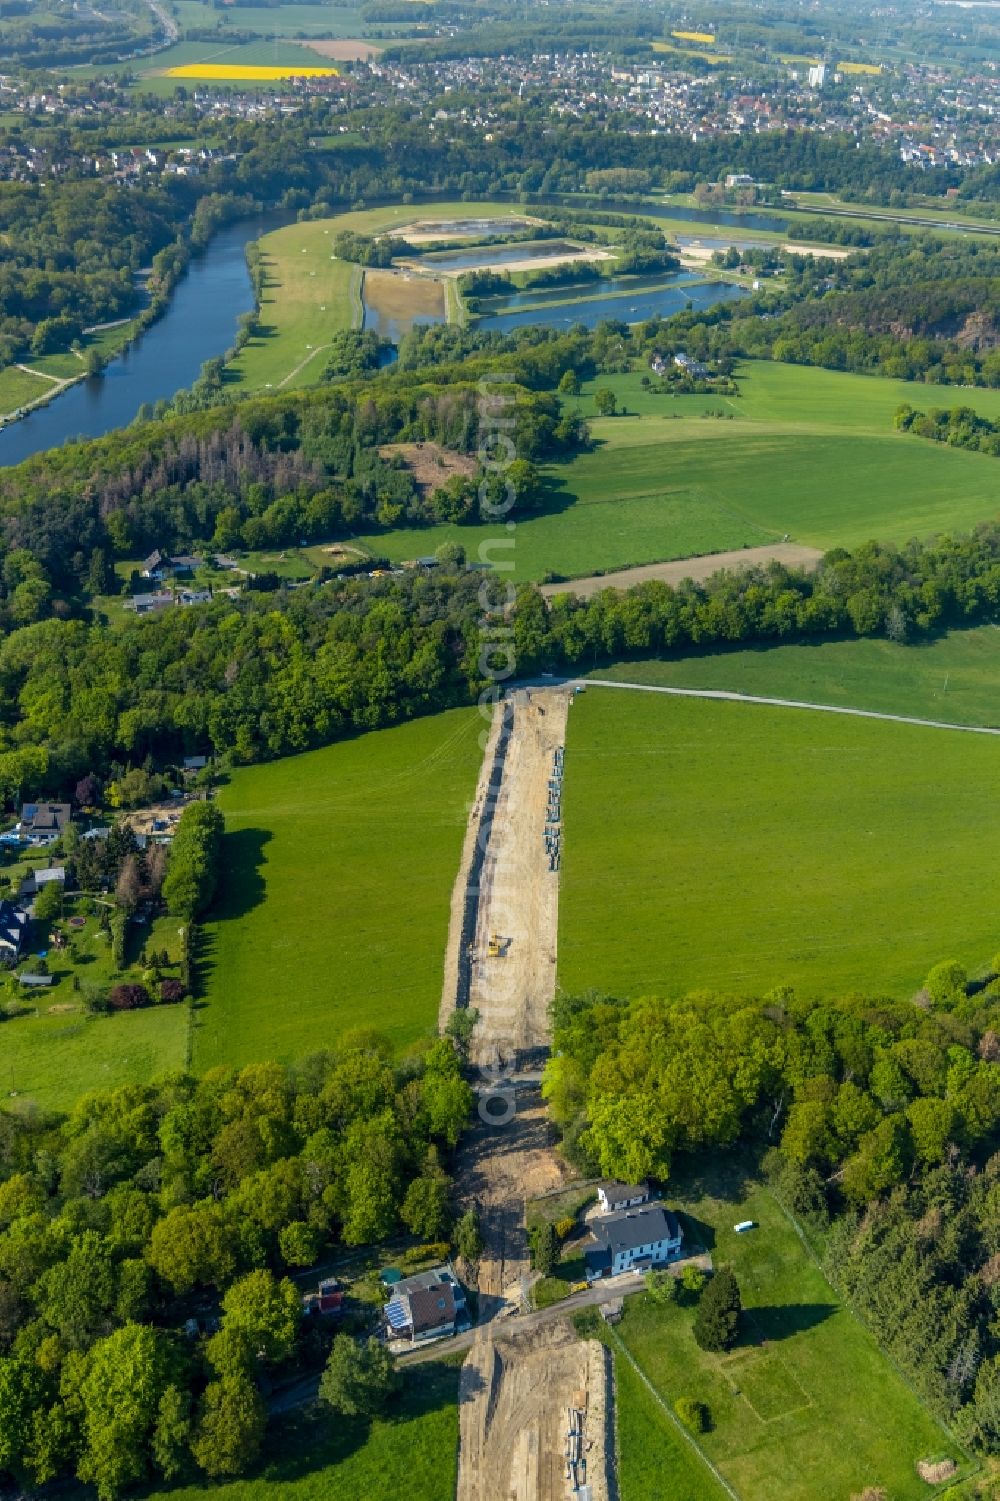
{"x": 496, "y": 947}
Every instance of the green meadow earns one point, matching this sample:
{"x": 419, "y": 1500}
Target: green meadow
{"x": 805, "y": 1408}
{"x": 806, "y": 453}
{"x": 953, "y": 677}
{"x": 334, "y": 901}
{"x": 55, "y": 1057}
{"x": 412, "y": 1452}
{"x": 707, "y": 846}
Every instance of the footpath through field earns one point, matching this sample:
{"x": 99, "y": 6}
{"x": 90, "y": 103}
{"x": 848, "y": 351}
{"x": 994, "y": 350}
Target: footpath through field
{"x": 783, "y": 703}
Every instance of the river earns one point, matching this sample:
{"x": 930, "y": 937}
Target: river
{"x": 199, "y": 323}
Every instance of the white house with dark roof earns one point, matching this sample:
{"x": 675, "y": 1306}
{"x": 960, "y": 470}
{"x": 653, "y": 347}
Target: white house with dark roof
{"x": 633, "y": 1240}
{"x": 614, "y": 1196}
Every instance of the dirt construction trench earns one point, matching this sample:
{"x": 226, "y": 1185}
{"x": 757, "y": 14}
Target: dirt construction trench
{"x": 516, "y": 894}
{"x": 533, "y": 1414}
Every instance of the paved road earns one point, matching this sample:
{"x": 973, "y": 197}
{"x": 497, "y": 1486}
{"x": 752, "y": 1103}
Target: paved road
{"x": 786, "y": 703}
{"x": 304, "y": 1391}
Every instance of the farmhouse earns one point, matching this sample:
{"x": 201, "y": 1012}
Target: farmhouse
{"x": 614, "y": 1196}
{"x": 694, "y": 368}
{"x": 13, "y": 926}
{"x": 632, "y": 1241}
{"x": 427, "y": 1306}
{"x": 42, "y": 823}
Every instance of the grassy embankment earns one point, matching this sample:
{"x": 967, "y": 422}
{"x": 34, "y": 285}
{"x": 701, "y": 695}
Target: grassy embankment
{"x": 707, "y": 846}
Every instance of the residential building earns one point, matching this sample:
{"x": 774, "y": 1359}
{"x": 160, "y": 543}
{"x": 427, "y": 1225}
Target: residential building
{"x": 13, "y": 926}
{"x": 42, "y": 823}
{"x": 614, "y": 1196}
{"x": 426, "y": 1306}
{"x": 633, "y": 1240}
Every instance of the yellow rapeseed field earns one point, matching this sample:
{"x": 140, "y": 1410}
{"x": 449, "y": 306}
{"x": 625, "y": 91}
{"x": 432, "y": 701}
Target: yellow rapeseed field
{"x": 707, "y": 37}
{"x": 871, "y": 68}
{"x": 244, "y": 73}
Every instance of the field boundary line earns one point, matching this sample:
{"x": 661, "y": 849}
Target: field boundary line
{"x": 675, "y": 1420}
{"x": 727, "y": 696}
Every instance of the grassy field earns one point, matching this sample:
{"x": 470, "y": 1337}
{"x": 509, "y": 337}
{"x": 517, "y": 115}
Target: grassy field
{"x": 308, "y": 296}
{"x": 334, "y": 904}
{"x": 810, "y": 453}
{"x": 412, "y": 1453}
{"x": 288, "y": 20}
{"x": 706, "y": 846}
{"x": 806, "y": 1408}
{"x": 953, "y": 678}
{"x": 51, "y": 1060}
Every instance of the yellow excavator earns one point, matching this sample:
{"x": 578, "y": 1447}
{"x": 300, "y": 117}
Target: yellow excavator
{"x": 496, "y": 948}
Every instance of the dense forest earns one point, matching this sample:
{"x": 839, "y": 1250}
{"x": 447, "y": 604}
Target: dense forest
{"x": 146, "y": 1243}
{"x": 879, "y": 1120}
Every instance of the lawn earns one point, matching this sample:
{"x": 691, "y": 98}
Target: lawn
{"x": 706, "y": 845}
{"x": 807, "y": 453}
{"x": 806, "y": 1408}
{"x": 333, "y": 914}
{"x": 288, "y": 20}
{"x": 51, "y": 1060}
{"x": 654, "y": 1462}
{"x": 318, "y": 1458}
{"x": 18, "y": 388}
{"x": 953, "y": 677}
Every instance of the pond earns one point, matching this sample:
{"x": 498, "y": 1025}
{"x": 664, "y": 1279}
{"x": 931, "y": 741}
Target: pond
{"x": 637, "y": 304}
{"x": 504, "y": 255}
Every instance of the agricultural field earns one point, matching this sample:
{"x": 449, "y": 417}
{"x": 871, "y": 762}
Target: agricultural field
{"x": 245, "y": 73}
{"x": 792, "y": 1409}
{"x": 52, "y": 1059}
{"x": 333, "y": 913}
{"x": 808, "y": 453}
{"x": 952, "y": 677}
{"x": 706, "y": 847}
{"x": 288, "y": 20}
{"x": 413, "y": 1452}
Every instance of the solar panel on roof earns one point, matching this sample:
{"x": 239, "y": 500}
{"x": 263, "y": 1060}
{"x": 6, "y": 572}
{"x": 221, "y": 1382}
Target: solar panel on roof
{"x": 396, "y": 1313}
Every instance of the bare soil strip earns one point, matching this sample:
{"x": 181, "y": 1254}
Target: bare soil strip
{"x": 344, "y": 49}
{"x": 518, "y": 895}
{"x": 699, "y": 568}
{"x": 533, "y": 1417}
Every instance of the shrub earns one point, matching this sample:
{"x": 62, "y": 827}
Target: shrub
{"x": 693, "y": 1414}
{"x": 171, "y": 991}
{"x": 693, "y": 1281}
{"x": 565, "y": 1226}
{"x": 128, "y": 997}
